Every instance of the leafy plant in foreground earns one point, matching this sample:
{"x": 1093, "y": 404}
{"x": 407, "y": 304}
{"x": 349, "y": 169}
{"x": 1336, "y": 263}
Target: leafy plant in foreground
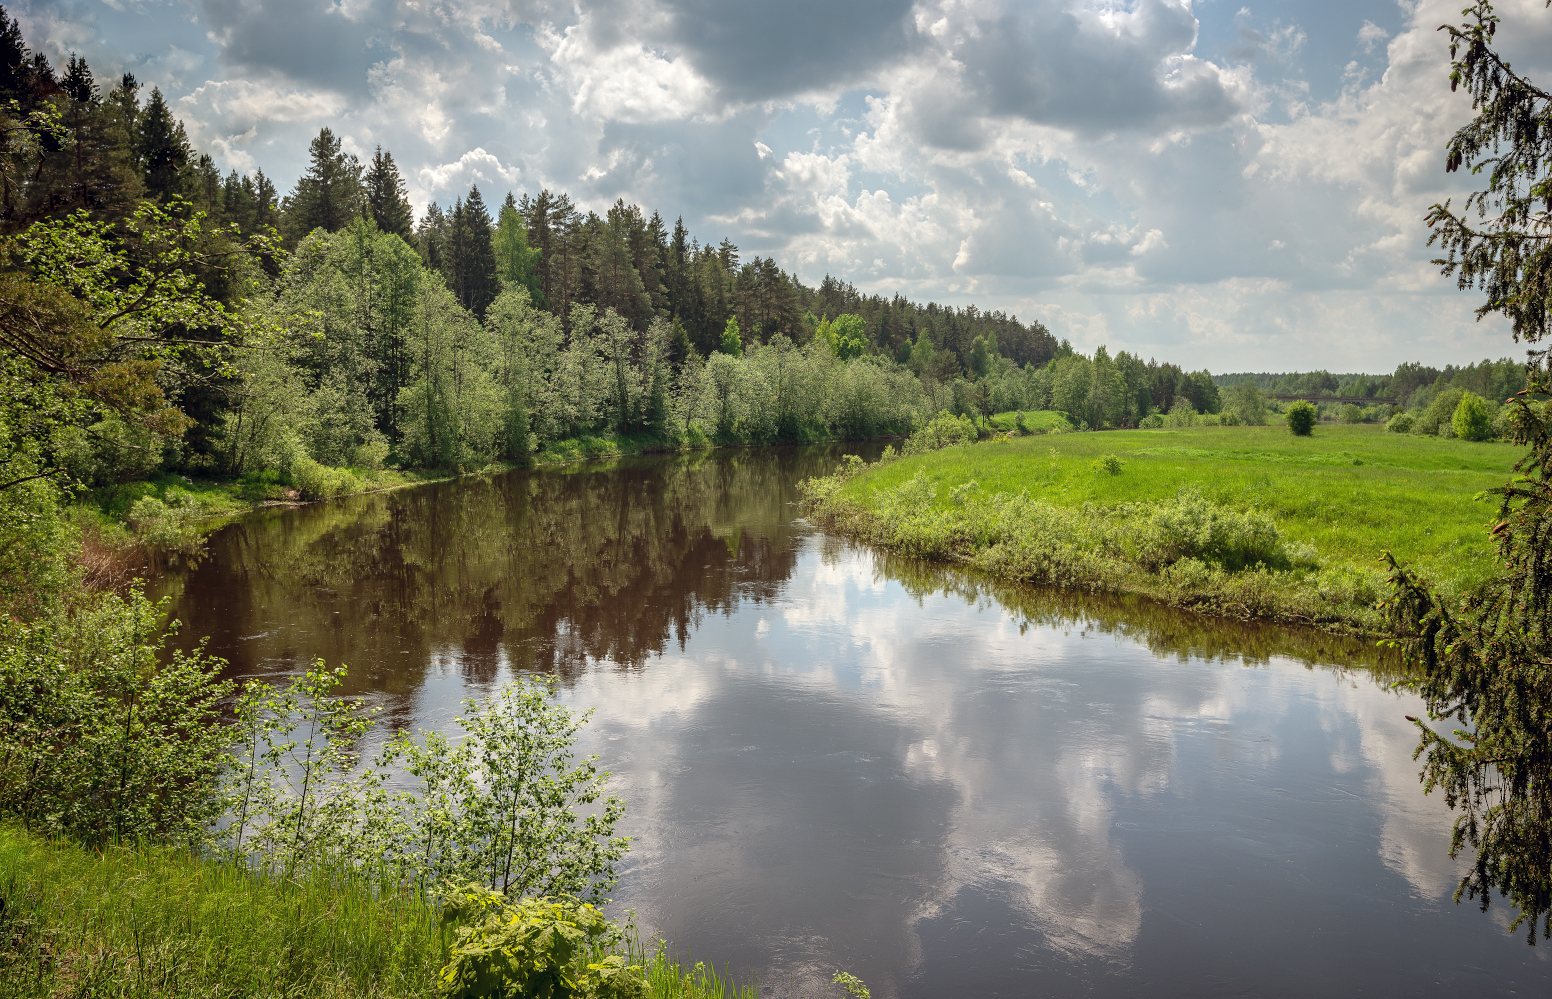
{"x": 546, "y": 948}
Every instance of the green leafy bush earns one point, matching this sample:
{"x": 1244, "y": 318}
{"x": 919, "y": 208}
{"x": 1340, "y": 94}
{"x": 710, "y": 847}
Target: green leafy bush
{"x": 544, "y": 948}
{"x": 1109, "y": 465}
{"x": 1435, "y": 419}
{"x": 1152, "y": 421}
{"x": 1503, "y": 421}
{"x": 1192, "y": 527}
{"x": 106, "y": 736}
{"x": 1473, "y": 419}
{"x": 945, "y": 430}
{"x": 321, "y": 482}
{"x": 1301, "y": 418}
{"x": 1401, "y": 423}
{"x": 1351, "y": 413}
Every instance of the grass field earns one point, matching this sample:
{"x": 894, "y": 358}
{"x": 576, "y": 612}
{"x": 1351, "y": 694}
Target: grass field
{"x": 1042, "y": 419}
{"x": 1348, "y": 493}
{"x": 160, "y": 923}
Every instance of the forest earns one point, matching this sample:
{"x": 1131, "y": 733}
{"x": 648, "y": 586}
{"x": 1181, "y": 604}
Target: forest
{"x": 327, "y": 328}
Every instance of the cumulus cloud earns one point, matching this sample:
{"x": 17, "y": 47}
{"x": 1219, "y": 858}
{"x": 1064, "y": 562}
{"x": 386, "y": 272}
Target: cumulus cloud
{"x": 1090, "y": 161}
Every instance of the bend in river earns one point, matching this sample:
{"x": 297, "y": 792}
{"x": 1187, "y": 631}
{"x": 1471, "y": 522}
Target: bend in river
{"x": 840, "y": 759}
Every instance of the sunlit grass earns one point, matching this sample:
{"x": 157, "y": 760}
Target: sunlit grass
{"x": 160, "y": 922}
{"x": 1351, "y": 491}
{"x": 1034, "y": 420}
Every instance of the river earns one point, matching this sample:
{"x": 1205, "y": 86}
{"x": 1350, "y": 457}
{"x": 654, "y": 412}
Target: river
{"x": 838, "y": 759}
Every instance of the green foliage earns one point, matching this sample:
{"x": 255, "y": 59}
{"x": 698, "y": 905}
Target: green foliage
{"x": 533, "y": 948}
{"x": 1351, "y": 413}
{"x": 851, "y": 984}
{"x": 1401, "y": 423}
{"x": 1504, "y": 253}
{"x": 1108, "y": 464}
{"x": 1246, "y": 401}
{"x": 1192, "y": 527}
{"x": 1300, "y": 417}
{"x": 1438, "y": 417}
{"x": 731, "y": 344}
{"x": 103, "y": 734}
{"x": 1473, "y": 420}
{"x": 944, "y": 430}
{"x": 846, "y": 336}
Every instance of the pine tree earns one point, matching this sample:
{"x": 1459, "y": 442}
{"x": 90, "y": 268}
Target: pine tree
{"x": 162, "y": 147}
{"x": 387, "y": 199}
{"x": 95, "y": 169}
{"x": 328, "y": 195}
{"x": 469, "y": 258}
{"x": 78, "y": 84}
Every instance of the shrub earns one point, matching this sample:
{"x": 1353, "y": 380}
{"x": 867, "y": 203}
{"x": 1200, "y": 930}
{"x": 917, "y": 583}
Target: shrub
{"x": 1182, "y": 414}
{"x": 104, "y": 734}
{"x": 532, "y": 947}
{"x": 320, "y": 482}
{"x": 1192, "y": 527}
{"x": 1473, "y": 419}
{"x": 1351, "y": 413}
{"x": 1152, "y": 421}
{"x": 1503, "y": 421}
{"x": 371, "y": 454}
{"x": 1436, "y": 418}
{"x": 1109, "y": 465}
{"x": 1301, "y": 418}
{"x": 945, "y": 430}
{"x": 1401, "y": 423}
{"x": 1247, "y": 403}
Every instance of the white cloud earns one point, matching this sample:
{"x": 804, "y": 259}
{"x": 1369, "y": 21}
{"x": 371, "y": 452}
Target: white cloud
{"x": 1091, "y": 161}
{"x": 1371, "y": 35}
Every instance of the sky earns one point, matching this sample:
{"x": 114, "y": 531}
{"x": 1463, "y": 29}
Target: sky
{"x": 1223, "y": 185}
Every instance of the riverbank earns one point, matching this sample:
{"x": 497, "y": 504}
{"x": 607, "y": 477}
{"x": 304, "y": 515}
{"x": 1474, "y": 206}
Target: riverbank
{"x": 158, "y": 921}
{"x": 1246, "y": 522}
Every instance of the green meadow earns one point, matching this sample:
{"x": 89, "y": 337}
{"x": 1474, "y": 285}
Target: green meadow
{"x": 1338, "y": 500}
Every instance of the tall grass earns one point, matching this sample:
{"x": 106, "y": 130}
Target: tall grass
{"x": 144, "y": 922}
{"x": 160, "y": 922}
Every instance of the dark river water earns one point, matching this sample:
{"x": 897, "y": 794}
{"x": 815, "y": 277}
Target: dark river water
{"x": 837, "y": 759}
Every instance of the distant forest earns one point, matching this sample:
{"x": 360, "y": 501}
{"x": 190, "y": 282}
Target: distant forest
{"x": 1412, "y": 385}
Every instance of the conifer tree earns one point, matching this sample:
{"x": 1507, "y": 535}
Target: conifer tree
{"x": 162, "y": 147}
{"x": 328, "y": 195}
{"x": 469, "y": 256}
{"x": 78, "y": 83}
{"x": 387, "y": 199}
{"x": 1482, "y": 662}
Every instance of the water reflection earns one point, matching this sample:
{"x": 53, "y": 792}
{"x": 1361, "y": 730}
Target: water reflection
{"x": 836, "y": 759}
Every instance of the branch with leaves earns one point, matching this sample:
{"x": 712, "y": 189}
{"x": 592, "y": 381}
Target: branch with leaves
{"x": 1507, "y": 251}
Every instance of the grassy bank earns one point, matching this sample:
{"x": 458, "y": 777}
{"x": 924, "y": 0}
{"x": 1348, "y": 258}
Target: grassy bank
{"x": 156, "y": 922}
{"x": 1245, "y": 521}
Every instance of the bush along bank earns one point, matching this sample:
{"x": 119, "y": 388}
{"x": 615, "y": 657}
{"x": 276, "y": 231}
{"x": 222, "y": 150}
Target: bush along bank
{"x": 1187, "y": 551}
